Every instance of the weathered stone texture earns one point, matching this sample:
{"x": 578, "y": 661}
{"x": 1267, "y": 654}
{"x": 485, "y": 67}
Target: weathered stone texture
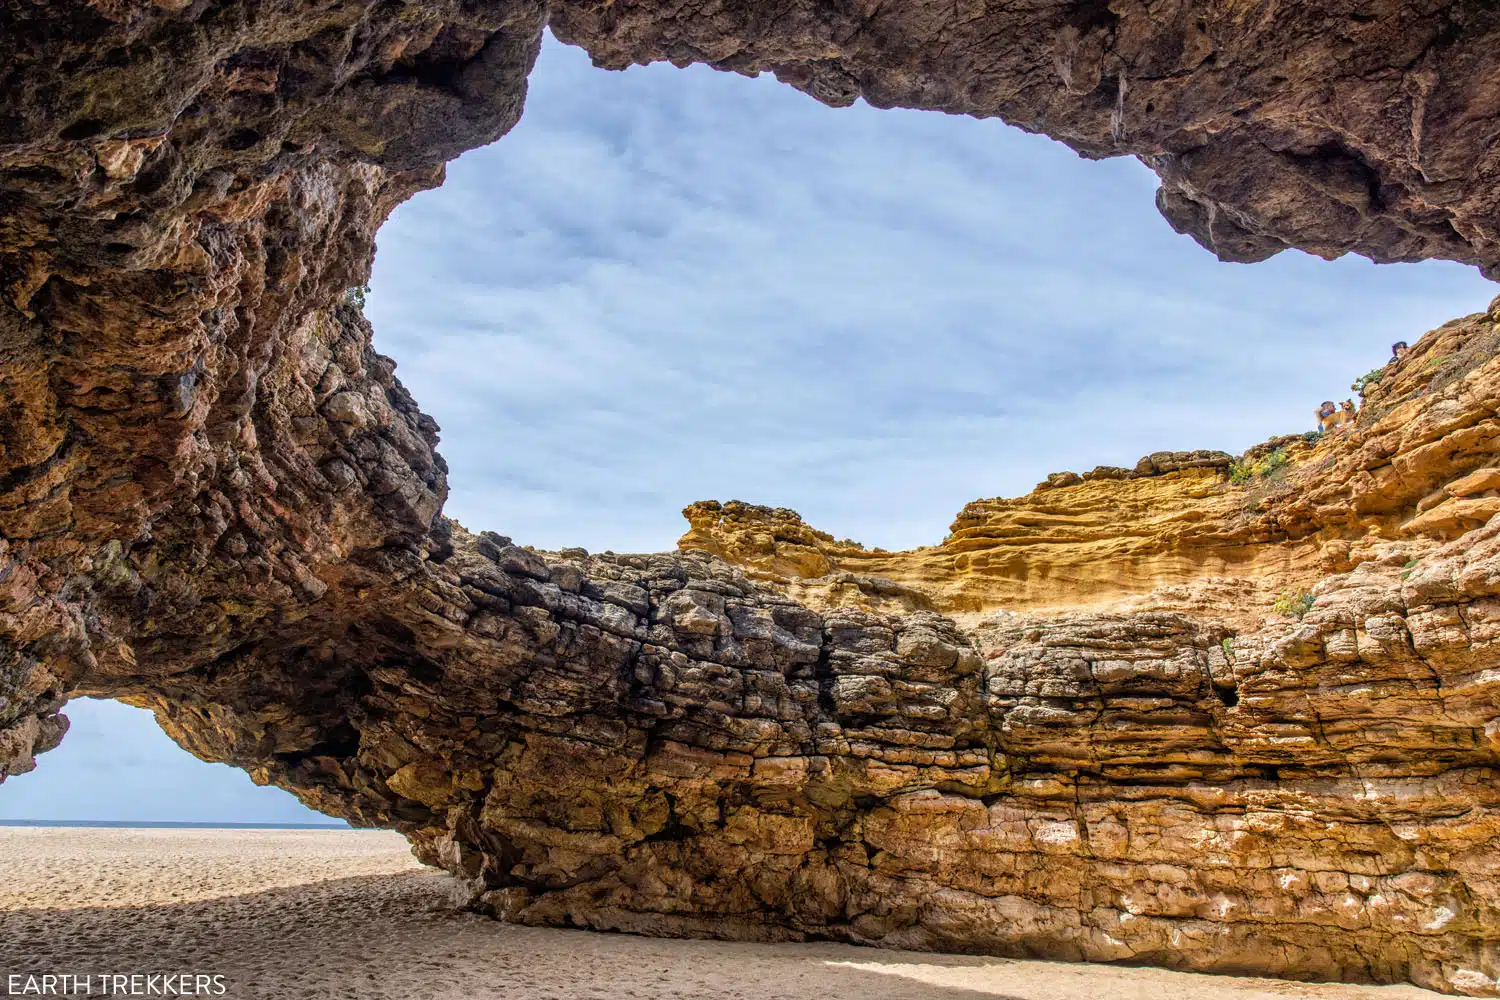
{"x": 216, "y": 500}
{"x": 652, "y": 744}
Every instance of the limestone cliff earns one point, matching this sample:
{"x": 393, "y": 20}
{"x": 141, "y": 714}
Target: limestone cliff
{"x": 1333, "y": 126}
{"x": 217, "y": 500}
{"x": 1284, "y": 514}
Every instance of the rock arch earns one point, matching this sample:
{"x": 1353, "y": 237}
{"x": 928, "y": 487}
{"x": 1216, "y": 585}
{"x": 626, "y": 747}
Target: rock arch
{"x": 216, "y": 500}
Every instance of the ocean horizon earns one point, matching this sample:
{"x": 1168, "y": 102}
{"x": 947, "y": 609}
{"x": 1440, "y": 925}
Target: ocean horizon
{"x": 127, "y": 824}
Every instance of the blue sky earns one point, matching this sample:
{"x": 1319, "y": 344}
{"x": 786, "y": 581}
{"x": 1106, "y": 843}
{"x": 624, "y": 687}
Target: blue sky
{"x": 674, "y": 285}
{"x": 117, "y": 764}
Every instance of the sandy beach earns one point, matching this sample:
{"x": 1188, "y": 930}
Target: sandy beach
{"x": 349, "y": 914}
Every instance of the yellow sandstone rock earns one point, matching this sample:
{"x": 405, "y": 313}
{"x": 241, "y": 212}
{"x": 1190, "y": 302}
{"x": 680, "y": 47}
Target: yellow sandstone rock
{"x": 1415, "y": 467}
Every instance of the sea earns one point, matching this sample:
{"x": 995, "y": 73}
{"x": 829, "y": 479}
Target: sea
{"x": 136, "y": 824}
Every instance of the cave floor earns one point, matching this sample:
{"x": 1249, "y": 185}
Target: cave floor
{"x": 333, "y": 913}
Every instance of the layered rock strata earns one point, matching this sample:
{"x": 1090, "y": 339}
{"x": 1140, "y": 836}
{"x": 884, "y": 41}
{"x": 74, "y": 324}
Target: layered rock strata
{"x": 1402, "y": 472}
{"x": 217, "y": 501}
{"x": 655, "y": 744}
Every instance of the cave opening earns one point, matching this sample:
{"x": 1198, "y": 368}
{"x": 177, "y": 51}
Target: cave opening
{"x": 670, "y": 285}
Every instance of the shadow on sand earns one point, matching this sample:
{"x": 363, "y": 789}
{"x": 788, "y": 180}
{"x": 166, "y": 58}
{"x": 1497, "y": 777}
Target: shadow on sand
{"x": 399, "y": 936}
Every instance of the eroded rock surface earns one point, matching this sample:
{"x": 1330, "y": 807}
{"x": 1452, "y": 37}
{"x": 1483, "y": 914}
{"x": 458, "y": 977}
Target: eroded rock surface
{"x": 192, "y": 430}
{"x": 216, "y": 500}
{"x": 654, "y": 744}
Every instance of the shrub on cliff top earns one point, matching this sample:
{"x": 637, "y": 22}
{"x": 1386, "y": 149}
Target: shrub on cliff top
{"x": 1293, "y": 603}
{"x": 1242, "y": 472}
{"x": 1367, "y": 381}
